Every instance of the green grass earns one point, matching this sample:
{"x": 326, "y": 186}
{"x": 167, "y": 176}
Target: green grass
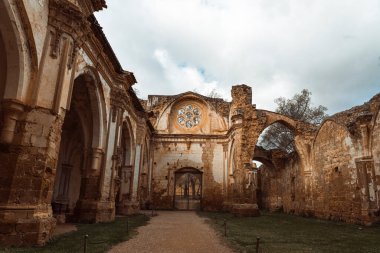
{"x": 104, "y": 235}
{"x": 292, "y": 234}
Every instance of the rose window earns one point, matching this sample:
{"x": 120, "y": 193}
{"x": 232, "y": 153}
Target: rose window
{"x": 189, "y": 116}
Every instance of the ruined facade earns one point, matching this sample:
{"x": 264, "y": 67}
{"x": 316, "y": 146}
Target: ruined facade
{"x": 72, "y": 129}
{"x": 76, "y": 144}
{"x": 339, "y": 178}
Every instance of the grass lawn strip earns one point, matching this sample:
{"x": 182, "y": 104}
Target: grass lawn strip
{"x": 292, "y": 234}
{"x": 102, "y": 236}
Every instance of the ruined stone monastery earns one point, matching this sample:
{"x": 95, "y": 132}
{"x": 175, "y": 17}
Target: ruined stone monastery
{"x": 76, "y": 144}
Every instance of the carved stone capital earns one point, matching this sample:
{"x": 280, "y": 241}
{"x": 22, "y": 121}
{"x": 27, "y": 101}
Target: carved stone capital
{"x": 97, "y": 155}
{"x": 12, "y": 110}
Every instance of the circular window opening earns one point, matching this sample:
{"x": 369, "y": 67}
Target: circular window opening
{"x": 189, "y": 116}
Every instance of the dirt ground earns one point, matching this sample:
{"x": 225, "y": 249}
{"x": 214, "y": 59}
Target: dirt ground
{"x": 64, "y": 228}
{"x": 180, "y": 232}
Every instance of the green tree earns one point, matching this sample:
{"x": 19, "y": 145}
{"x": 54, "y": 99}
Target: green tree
{"x": 278, "y": 136}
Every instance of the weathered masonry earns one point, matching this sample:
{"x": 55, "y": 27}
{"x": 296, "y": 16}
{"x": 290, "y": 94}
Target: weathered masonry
{"x": 76, "y": 144}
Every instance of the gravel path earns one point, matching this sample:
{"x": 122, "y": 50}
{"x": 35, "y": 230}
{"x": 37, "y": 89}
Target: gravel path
{"x": 174, "y": 232}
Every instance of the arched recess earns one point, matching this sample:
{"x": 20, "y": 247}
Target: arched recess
{"x": 334, "y": 165}
{"x": 203, "y": 117}
{"x": 13, "y": 56}
{"x": 375, "y": 146}
{"x": 272, "y": 155}
{"x": 91, "y": 78}
{"x": 144, "y": 177}
{"x": 79, "y": 140}
{"x": 127, "y": 146}
{"x": 188, "y": 189}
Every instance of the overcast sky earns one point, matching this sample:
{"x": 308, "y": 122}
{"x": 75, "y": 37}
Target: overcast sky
{"x": 279, "y": 47}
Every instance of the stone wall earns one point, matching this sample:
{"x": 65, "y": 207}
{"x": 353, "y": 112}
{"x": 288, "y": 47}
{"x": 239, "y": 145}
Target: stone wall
{"x": 343, "y": 181}
{"x": 205, "y": 155}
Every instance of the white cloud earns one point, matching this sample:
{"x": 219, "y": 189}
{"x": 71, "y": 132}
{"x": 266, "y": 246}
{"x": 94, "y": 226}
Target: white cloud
{"x": 185, "y": 78}
{"x": 277, "y": 46}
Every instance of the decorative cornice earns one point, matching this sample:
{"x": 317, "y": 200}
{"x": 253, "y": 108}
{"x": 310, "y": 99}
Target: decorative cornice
{"x": 68, "y": 18}
{"x": 90, "y": 6}
{"x": 120, "y": 98}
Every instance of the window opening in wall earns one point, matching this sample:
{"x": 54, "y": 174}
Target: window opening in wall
{"x": 189, "y": 116}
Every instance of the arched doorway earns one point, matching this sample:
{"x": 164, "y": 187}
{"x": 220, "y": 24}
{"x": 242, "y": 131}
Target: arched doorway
{"x": 125, "y": 169}
{"x": 188, "y": 189}
{"x": 76, "y": 178}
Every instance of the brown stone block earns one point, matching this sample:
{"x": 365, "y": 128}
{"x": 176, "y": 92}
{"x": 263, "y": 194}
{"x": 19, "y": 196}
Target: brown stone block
{"x": 21, "y": 183}
{"x": 27, "y": 227}
{"x": 7, "y": 228}
{"x": 4, "y": 194}
{"x": 245, "y": 210}
{"x": 10, "y": 240}
{"x": 7, "y": 171}
{"x": 36, "y": 183}
{"x": 31, "y": 239}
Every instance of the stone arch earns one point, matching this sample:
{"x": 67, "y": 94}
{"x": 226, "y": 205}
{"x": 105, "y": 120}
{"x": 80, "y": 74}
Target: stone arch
{"x": 329, "y": 121}
{"x": 127, "y": 147}
{"x": 82, "y": 132}
{"x": 90, "y": 77}
{"x": 14, "y": 58}
{"x": 299, "y": 129}
{"x": 127, "y": 141}
{"x": 280, "y": 122}
{"x": 273, "y": 117}
{"x": 210, "y": 120}
{"x": 263, "y": 156}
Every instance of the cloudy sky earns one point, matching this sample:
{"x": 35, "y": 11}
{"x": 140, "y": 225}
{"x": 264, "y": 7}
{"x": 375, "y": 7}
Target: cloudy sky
{"x": 279, "y": 47}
